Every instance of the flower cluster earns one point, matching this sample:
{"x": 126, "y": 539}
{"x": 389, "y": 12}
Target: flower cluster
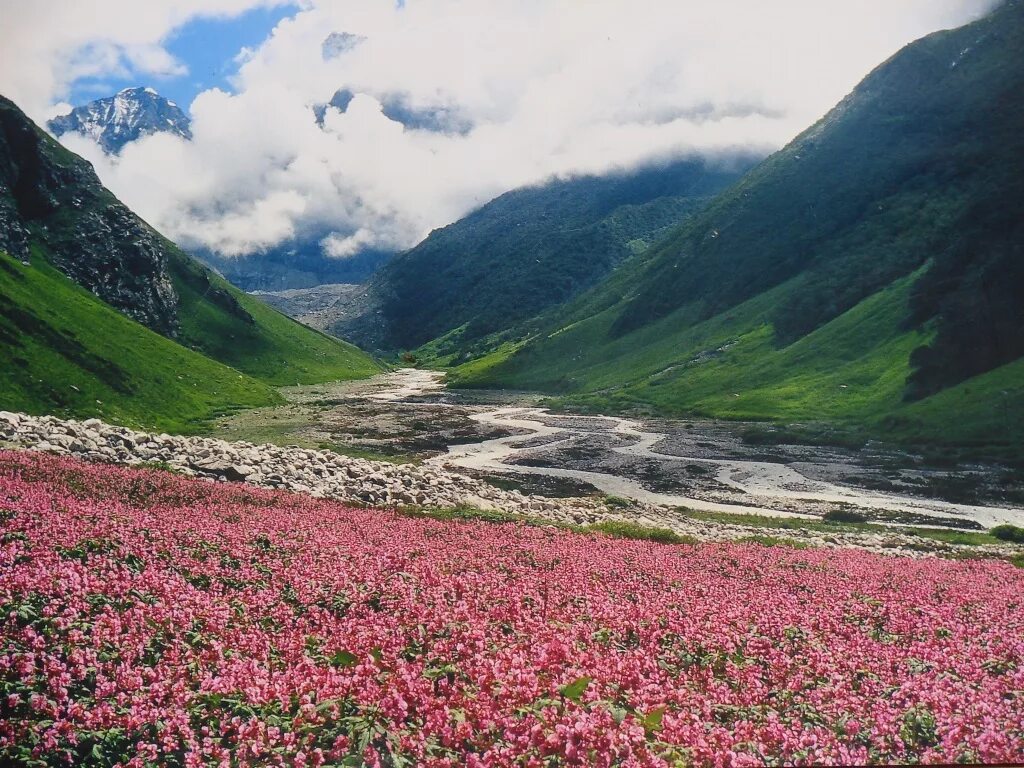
{"x": 148, "y": 619}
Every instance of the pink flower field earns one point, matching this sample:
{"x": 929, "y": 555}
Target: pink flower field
{"x": 148, "y": 619}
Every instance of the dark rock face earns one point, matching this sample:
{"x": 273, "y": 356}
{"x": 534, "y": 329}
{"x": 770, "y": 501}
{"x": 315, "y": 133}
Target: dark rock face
{"x": 52, "y": 199}
{"x": 124, "y": 117}
{"x": 337, "y": 43}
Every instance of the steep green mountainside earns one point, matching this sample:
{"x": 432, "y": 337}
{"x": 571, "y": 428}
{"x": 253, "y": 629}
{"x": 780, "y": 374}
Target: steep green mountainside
{"x": 868, "y": 274}
{"x": 531, "y": 249}
{"x": 67, "y": 353}
{"x": 53, "y": 210}
{"x": 241, "y": 331}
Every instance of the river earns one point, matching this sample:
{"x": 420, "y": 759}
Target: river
{"x": 763, "y": 486}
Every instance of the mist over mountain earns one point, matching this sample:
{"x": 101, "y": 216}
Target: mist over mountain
{"x": 530, "y": 249}
{"x": 424, "y": 139}
{"x": 296, "y": 264}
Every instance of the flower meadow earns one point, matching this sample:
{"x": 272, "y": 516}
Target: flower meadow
{"x": 149, "y": 619}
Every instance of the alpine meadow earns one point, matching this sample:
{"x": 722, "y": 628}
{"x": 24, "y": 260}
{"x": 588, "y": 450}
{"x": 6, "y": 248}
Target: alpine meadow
{"x": 528, "y": 385}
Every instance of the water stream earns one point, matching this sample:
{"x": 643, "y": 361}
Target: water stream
{"x": 763, "y": 485}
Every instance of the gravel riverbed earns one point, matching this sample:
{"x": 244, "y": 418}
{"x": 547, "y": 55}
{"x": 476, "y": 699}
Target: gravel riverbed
{"x": 322, "y": 473}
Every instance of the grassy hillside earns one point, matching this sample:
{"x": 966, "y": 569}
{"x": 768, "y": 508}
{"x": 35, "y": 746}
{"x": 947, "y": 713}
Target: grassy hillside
{"x": 869, "y": 275}
{"x": 228, "y": 325}
{"x": 531, "y": 249}
{"x": 67, "y": 353}
{"x": 51, "y": 201}
{"x": 845, "y": 381}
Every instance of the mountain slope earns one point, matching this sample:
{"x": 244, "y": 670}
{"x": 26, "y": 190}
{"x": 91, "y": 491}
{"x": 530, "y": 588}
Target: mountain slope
{"x": 528, "y": 250}
{"x": 67, "y": 353}
{"x": 298, "y": 263}
{"x": 51, "y": 198}
{"x": 241, "y": 331}
{"x": 905, "y": 203}
{"x": 54, "y": 211}
{"x": 129, "y": 115}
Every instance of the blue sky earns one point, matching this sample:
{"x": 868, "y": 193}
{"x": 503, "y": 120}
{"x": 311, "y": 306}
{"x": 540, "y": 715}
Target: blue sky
{"x": 208, "y": 48}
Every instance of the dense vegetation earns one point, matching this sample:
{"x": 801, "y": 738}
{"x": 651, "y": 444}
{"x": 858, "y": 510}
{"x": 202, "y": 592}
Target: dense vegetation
{"x": 534, "y": 248}
{"x": 71, "y": 353}
{"x": 868, "y": 274}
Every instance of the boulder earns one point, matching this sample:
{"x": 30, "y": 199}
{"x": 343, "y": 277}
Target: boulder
{"x": 220, "y": 468}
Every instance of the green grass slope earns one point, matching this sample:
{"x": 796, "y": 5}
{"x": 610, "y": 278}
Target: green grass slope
{"x": 845, "y": 381}
{"x": 52, "y": 202}
{"x": 228, "y": 325}
{"x": 869, "y": 275}
{"x": 67, "y": 353}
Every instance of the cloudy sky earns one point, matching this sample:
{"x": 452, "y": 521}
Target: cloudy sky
{"x": 446, "y": 103}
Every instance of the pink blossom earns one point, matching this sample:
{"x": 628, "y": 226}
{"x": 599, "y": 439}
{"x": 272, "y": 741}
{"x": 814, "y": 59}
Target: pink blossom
{"x": 161, "y": 620}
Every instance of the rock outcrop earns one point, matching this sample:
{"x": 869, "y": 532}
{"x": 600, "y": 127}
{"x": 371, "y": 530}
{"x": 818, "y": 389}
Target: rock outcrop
{"x": 53, "y": 200}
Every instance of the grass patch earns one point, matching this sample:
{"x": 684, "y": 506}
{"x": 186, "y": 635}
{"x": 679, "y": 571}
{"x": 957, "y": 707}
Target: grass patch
{"x": 357, "y": 452}
{"x": 621, "y": 529}
{"x": 464, "y": 512}
{"x": 961, "y": 538}
{"x": 944, "y": 535}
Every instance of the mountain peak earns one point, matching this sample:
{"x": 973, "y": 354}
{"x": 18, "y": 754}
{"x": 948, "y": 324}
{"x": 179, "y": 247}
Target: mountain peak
{"x": 124, "y": 117}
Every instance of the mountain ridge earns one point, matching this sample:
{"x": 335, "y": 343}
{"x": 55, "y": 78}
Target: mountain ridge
{"x": 527, "y": 250}
{"x": 913, "y": 177}
{"x": 127, "y": 116}
{"x": 57, "y": 218}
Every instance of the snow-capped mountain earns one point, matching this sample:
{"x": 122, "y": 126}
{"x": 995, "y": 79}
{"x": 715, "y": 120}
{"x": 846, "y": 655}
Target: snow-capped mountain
{"x": 127, "y": 116}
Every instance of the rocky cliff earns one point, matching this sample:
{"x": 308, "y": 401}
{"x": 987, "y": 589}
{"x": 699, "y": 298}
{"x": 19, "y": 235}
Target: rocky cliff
{"x": 52, "y": 204}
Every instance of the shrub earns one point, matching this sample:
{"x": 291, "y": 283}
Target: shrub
{"x": 1007, "y": 532}
{"x": 844, "y": 516}
{"x": 618, "y": 501}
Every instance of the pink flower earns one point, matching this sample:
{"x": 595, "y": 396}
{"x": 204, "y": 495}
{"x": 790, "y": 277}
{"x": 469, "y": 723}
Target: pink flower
{"x": 239, "y": 626}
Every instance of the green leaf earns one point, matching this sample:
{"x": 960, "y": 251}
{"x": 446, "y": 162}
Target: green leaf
{"x": 652, "y": 720}
{"x": 574, "y": 690}
{"x": 343, "y": 658}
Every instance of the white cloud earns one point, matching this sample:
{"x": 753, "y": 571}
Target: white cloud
{"x": 45, "y": 45}
{"x": 339, "y": 247}
{"x": 545, "y": 87}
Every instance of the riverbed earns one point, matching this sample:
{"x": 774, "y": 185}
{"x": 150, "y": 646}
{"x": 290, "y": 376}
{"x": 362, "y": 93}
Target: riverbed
{"x": 409, "y": 415}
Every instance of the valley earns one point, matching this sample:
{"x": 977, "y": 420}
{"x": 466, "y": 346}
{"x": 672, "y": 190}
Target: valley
{"x": 570, "y": 388}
